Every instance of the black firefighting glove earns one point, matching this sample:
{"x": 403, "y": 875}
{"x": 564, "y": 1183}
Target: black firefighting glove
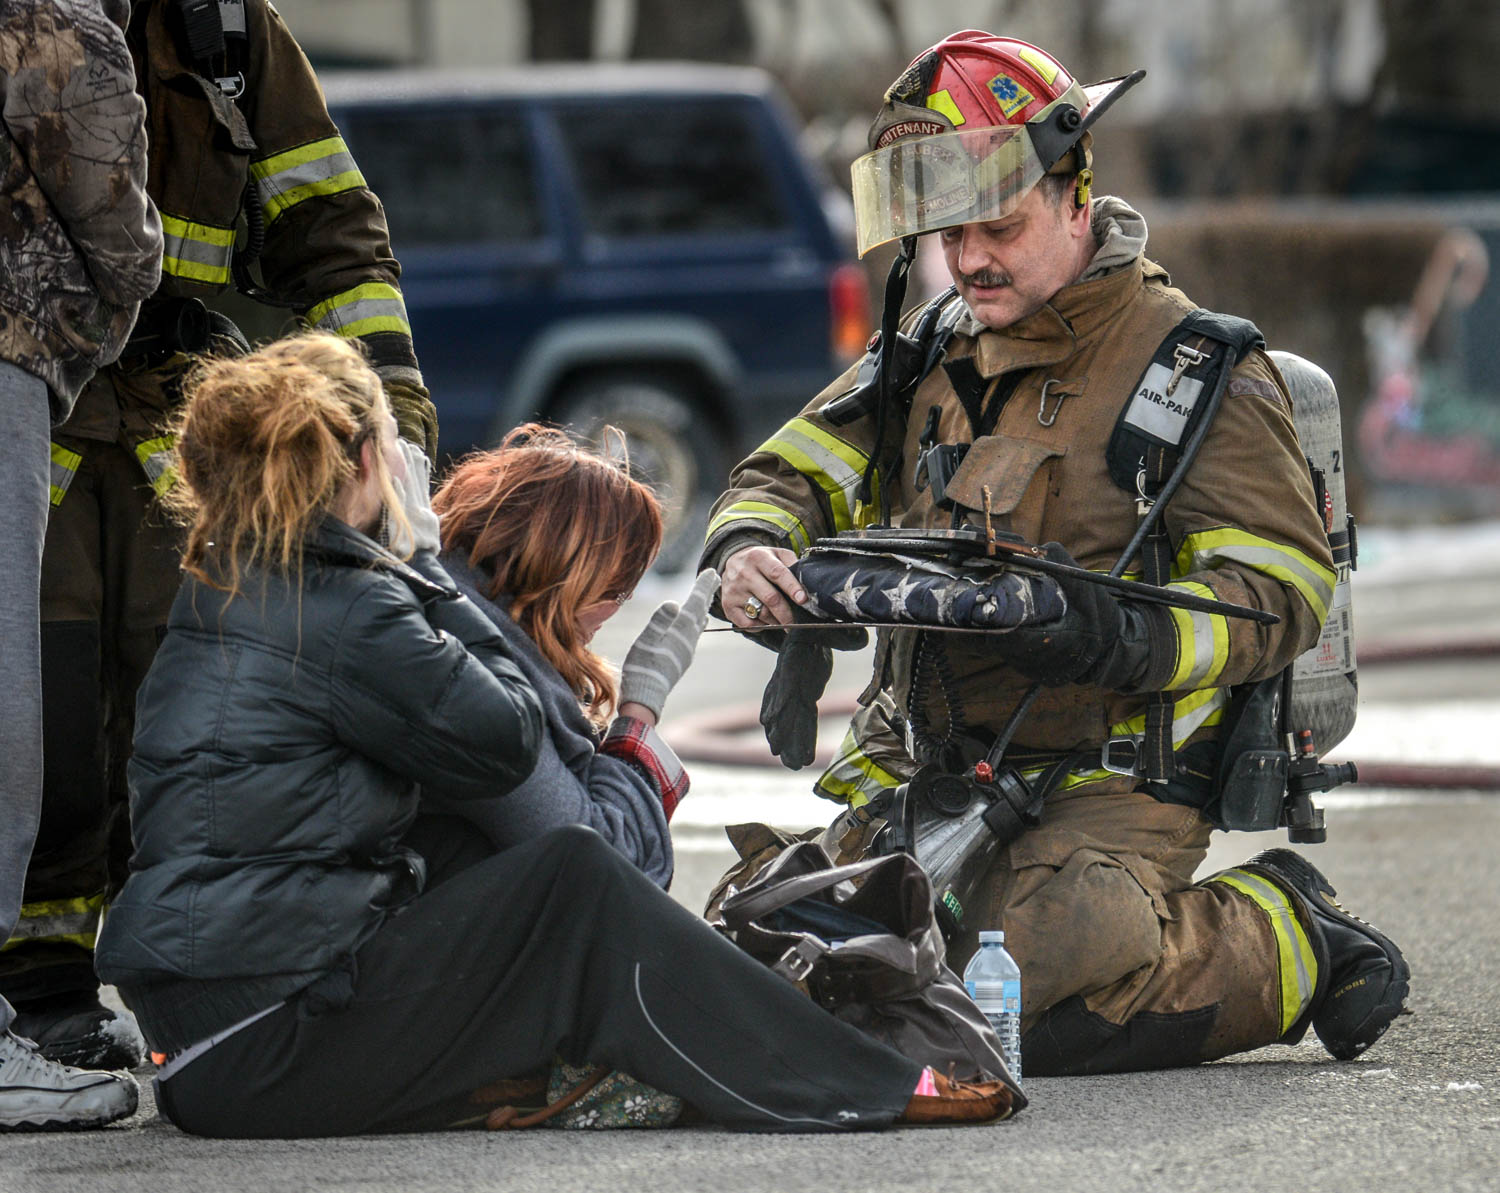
{"x": 1101, "y": 640}
{"x": 789, "y": 708}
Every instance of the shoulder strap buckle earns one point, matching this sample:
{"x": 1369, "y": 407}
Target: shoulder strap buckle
{"x": 1184, "y": 359}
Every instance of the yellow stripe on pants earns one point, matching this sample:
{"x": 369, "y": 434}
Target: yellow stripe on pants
{"x": 1298, "y": 966}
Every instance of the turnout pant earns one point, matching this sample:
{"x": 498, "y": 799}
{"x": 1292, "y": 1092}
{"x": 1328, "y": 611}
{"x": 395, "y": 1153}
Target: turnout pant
{"x": 555, "y": 947}
{"x": 1126, "y": 962}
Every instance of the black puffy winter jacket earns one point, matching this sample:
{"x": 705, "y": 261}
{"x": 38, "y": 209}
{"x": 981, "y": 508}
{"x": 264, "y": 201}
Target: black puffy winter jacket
{"x": 280, "y": 738}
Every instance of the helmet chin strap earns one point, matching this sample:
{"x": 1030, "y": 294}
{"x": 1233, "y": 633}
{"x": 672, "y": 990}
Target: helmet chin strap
{"x": 890, "y": 320}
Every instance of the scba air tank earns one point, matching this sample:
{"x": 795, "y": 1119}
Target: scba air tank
{"x": 1325, "y": 684}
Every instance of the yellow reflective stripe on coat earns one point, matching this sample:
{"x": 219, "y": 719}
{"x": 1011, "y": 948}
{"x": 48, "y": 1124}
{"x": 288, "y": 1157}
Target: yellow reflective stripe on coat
{"x": 853, "y": 777}
{"x": 285, "y": 179}
{"x": 158, "y": 457}
{"x": 1202, "y": 641}
{"x": 762, "y": 515}
{"x": 196, "y": 252}
{"x": 58, "y": 921}
{"x": 836, "y": 467}
{"x": 367, "y": 309}
{"x": 1295, "y": 958}
{"x": 64, "y": 468}
{"x": 1291, "y": 567}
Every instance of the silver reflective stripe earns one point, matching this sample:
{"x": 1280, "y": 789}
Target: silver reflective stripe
{"x": 49, "y": 922}
{"x": 63, "y": 469}
{"x": 196, "y": 252}
{"x": 324, "y": 167}
{"x": 368, "y": 309}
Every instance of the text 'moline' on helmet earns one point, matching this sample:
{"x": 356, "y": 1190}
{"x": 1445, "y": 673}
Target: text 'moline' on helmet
{"x": 965, "y": 133}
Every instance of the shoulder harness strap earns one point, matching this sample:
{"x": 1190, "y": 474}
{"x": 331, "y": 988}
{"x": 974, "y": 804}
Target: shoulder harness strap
{"x": 1153, "y": 445}
{"x": 917, "y": 354}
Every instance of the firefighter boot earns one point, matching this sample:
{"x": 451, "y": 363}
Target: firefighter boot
{"x": 75, "y": 1028}
{"x": 1364, "y": 981}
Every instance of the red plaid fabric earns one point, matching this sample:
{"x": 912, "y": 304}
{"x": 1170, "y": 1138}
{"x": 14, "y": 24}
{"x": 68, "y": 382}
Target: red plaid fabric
{"x": 640, "y": 745}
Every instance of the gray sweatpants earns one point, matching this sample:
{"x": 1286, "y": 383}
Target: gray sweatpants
{"x": 25, "y": 467}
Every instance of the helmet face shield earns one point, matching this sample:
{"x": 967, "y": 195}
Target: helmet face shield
{"x": 921, "y": 184}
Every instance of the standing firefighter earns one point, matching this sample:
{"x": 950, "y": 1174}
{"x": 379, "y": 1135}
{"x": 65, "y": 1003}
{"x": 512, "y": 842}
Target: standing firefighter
{"x": 240, "y": 138}
{"x": 1017, "y": 394}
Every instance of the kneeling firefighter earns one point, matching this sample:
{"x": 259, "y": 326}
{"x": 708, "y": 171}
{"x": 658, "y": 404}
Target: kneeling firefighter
{"x": 1065, "y": 393}
{"x": 242, "y": 149}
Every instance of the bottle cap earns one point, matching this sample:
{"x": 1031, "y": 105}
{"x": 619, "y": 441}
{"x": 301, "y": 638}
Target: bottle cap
{"x": 991, "y": 938}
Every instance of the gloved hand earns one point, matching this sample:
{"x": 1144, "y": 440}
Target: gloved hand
{"x": 662, "y": 651}
{"x": 415, "y": 414}
{"x": 416, "y": 503}
{"x": 1101, "y": 640}
{"x": 789, "y": 707}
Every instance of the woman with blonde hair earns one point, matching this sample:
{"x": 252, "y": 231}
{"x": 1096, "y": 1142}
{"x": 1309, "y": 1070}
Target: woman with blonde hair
{"x": 548, "y": 538}
{"x": 307, "y": 951}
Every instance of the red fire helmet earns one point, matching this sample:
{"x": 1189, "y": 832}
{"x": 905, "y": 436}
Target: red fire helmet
{"x": 967, "y": 130}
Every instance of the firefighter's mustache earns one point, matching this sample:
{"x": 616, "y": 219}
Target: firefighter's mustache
{"x": 986, "y": 278}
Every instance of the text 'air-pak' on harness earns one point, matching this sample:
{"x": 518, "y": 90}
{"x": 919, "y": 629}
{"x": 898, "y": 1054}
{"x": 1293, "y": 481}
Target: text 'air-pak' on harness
{"x": 1267, "y": 766}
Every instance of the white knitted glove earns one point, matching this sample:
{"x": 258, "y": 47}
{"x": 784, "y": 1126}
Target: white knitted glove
{"x": 658, "y": 657}
{"x": 416, "y": 503}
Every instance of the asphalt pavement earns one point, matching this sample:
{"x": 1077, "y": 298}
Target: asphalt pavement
{"x": 1421, "y": 1110}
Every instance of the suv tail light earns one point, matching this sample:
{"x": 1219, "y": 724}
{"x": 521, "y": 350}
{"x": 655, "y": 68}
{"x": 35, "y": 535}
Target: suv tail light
{"x": 849, "y": 307}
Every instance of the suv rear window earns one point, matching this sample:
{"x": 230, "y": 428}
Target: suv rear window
{"x": 449, "y": 177}
{"x": 667, "y": 170}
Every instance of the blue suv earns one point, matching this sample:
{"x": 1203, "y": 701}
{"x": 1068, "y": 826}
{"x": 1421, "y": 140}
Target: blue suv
{"x": 640, "y": 245}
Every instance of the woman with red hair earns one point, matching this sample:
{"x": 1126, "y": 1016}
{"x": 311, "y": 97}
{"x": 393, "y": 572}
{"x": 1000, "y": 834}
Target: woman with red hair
{"x": 549, "y": 539}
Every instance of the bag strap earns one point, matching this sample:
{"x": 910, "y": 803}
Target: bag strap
{"x": 765, "y": 893}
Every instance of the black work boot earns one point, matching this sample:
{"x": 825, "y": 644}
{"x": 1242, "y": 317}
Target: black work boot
{"x": 1364, "y": 979}
{"x": 75, "y": 1028}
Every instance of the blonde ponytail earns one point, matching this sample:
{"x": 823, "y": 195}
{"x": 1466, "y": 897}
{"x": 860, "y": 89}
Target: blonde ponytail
{"x": 265, "y": 444}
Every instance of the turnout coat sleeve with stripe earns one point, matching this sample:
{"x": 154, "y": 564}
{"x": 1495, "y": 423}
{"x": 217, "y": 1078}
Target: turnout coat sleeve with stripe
{"x": 1244, "y": 526}
{"x": 327, "y": 250}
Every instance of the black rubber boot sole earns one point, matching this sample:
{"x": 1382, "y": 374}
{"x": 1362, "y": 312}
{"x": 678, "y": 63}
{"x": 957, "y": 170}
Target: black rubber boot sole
{"x": 1357, "y": 1007}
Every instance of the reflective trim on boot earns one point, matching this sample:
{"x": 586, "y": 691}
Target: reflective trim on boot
{"x": 1297, "y": 955}
{"x": 1365, "y": 980}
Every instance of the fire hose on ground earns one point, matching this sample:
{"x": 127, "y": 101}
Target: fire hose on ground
{"x": 731, "y": 736}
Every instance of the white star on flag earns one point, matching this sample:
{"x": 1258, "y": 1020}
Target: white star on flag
{"x": 848, "y": 597}
{"x": 897, "y": 596}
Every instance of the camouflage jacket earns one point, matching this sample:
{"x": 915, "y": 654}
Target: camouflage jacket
{"x": 80, "y": 242}
{"x": 261, "y": 135}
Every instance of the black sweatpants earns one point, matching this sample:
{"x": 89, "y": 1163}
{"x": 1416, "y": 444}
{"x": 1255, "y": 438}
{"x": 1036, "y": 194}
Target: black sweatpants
{"x": 555, "y": 947}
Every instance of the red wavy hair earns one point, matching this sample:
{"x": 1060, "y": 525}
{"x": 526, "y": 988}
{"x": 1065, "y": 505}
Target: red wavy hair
{"x": 555, "y": 527}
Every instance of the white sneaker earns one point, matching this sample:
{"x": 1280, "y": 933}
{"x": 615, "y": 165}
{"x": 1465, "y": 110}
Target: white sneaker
{"x": 37, "y": 1094}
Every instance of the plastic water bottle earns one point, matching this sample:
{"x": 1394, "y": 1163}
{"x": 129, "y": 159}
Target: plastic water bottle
{"x": 993, "y": 980}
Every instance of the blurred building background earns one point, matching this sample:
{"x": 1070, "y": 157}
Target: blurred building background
{"x": 1302, "y": 162}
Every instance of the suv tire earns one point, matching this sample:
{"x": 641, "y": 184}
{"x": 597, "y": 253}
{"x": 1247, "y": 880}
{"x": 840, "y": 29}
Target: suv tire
{"x": 673, "y": 446}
